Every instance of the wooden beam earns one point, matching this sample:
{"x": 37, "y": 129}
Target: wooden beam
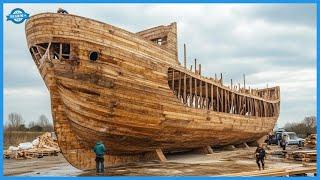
{"x": 184, "y": 55}
{"x": 200, "y": 87}
{"x": 173, "y": 81}
{"x": 195, "y": 66}
{"x": 212, "y": 108}
{"x": 222, "y": 100}
{"x": 207, "y": 104}
{"x": 218, "y": 99}
{"x": 190, "y": 86}
{"x": 244, "y": 81}
{"x": 185, "y": 88}
{"x": 179, "y": 89}
{"x": 195, "y": 93}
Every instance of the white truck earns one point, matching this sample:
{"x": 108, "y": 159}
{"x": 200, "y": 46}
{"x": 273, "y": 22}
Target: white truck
{"x": 291, "y": 138}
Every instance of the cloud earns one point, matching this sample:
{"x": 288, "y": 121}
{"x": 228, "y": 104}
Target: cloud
{"x": 272, "y": 44}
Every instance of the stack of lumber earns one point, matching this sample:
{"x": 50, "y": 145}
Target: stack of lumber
{"x": 285, "y": 171}
{"x": 304, "y": 156}
{"x": 43, "y": 145}
{"x": 311, "y": 141}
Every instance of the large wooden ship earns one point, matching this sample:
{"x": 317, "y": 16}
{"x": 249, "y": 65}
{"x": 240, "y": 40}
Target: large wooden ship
{"x": 129, "y": 91}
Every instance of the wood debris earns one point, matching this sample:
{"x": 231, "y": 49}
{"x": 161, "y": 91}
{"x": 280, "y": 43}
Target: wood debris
{"x": 303, "y": 155}
{"x": 311, "y": 141}
{"x": 44, "y": 145}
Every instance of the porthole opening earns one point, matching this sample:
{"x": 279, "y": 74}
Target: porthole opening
{"x": 93, "y": 56}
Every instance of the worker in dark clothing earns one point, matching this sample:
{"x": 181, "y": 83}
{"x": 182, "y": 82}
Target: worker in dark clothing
{"x": 260, "y": 155}
{"x": 62, "y": 11}
{"x": 99, "y": 149}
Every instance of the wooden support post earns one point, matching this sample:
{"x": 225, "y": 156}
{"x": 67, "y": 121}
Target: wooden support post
{"x": 200, "y": 87}
{"x": 173, "y": 81}
{"x": 244, "y": 81}
{"x": 215, "y": 76}
{"x": 185, "y": 88}
{"x": 184, "y": 55}
{"x": 195, "y": 93}
{"x": 222, "y": 100}
{"x": 179, "y": 89}
{"x": 60, "y": 51}
{"x": 195, "y": 66}
{"x": 231, "y": 84}
{"x": 191, "y": 96}
{"x": 155, "y": 155}
{"x": 191, "y": 68}
{"x": 239, "y": 104}
{"x": 225, "y": 101}
{"x": 212, "y": 108}
{"x": 207, "y": 99}
{"x": 218, "y": 100}
{"x": 221, "y": 80}
{"x": 232, "y": 109}
{"x": 200, "y": 69}
{"x": 204, "y": 150}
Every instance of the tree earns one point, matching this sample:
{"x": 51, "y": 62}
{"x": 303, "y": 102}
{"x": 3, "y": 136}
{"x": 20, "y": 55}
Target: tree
{"x": 310, "y": 123}
{"x": 303, "y": 128}
{"x": 36, "y": 128}
{"x": 44, "y": 123}
{"x": 31, "y": 124}
{"x": 14, "y": 121}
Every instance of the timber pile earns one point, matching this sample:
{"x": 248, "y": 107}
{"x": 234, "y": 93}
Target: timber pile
{"x": 311, "y": 141}
{"x": 304, "y": 156}
{"x": 44, "y": 145}
{"x": 287, "y": 171}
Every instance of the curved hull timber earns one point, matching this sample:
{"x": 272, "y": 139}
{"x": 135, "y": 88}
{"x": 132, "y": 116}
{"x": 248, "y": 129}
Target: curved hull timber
{"x": 136, "y": 97}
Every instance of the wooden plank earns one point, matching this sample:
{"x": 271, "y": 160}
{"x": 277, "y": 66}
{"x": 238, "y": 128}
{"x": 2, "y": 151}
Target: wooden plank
{"x": 218, "y": 99}
{"x": 173, "y": 88}
{"x": 200, "y": 97}
{"x": 185, "y": 88}
{"x": 179, "y": 89}
{"x": 190, "y": 85}
{"x": 212, "y": 107}
{"x": 195, "y": 92}
{"x": 207, "y": 104}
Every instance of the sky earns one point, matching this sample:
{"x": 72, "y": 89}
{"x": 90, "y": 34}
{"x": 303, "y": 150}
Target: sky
{"x": 272, "y": 44}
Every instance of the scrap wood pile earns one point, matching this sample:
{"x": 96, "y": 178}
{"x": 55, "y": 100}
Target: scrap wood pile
{"x": 304, "y": 156}
{"x": 44, "y": 145}
{"x": 311, "y": 141}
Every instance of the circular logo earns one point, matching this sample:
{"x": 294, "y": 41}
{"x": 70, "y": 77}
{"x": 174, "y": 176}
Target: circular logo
{"x": 17, "y": 16}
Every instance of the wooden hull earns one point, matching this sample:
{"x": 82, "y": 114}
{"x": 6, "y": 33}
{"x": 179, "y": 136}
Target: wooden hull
{"x": 124, "y": 98}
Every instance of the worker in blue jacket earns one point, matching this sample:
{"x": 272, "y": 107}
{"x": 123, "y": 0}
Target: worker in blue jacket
{"x": 99, "y": 149}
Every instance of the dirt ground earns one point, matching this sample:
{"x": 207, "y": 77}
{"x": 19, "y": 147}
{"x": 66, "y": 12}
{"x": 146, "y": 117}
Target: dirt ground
{"x": 182, "y": 164}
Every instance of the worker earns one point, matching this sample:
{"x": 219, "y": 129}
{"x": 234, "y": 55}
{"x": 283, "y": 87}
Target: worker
{"x": 284, "y": 141}
{"x": 62, "y": 11}
{"x": 99, "y": 149}
{"x": 260, "y": 155}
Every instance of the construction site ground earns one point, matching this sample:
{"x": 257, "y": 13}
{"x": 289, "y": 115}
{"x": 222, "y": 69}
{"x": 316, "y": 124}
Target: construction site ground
{"x": 221, "y": 162}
